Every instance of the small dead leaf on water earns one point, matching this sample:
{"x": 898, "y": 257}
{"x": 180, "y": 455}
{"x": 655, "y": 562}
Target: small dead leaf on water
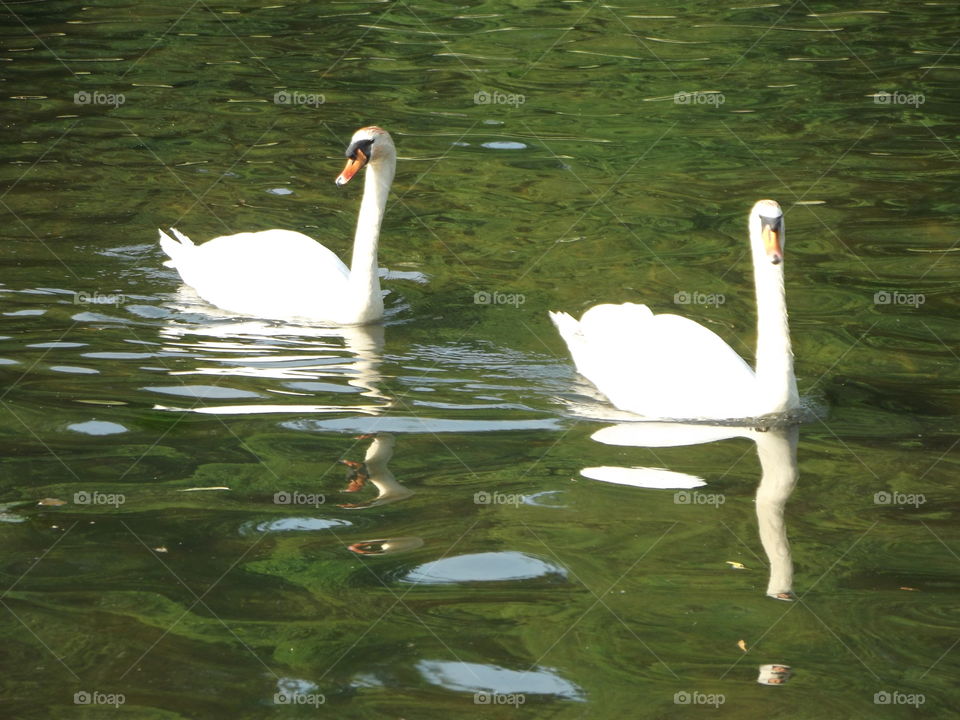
{"x": 910, "y": 589}
{"x": 742, "y": 645}
{"x": 51, "y": 502}
{"x": 735, "y": 565}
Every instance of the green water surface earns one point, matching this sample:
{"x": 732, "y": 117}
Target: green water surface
{"x": 546, "y": 162}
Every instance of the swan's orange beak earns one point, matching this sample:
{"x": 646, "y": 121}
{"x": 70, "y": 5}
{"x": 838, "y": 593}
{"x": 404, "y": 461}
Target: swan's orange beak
{"x": 771, "y": 241}
{"x": 358, "y": 160}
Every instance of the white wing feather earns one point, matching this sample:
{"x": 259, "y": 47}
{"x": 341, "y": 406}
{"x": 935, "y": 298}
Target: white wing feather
{"x": 658, "y": 366}
{"x": 271, "y": 274}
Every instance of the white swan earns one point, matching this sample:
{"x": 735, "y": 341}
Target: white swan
{"x": 669, "y": 367}
{"x": 286, "y": 275}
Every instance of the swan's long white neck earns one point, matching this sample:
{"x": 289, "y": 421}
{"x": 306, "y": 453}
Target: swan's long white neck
{"x": 777, "y": 385}
{"x": 777, "y": 450}
{"x": 364, "y": 276}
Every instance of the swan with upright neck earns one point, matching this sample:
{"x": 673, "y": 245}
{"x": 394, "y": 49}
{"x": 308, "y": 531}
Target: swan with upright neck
{"x": 286, "y": 275}
{"x": 669, "y": 367}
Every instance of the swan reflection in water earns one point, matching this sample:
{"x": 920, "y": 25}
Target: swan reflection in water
{"x": 374, "y": 470}
{"x": 298, "y": 361}
{"x": 776, "y": 449}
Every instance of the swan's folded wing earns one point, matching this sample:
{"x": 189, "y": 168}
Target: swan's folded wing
{"x": 608, "y": 318}
{"x": 272, "y": 273}
{"x": 597, "y": 332}
{"x": 659, "y": 365}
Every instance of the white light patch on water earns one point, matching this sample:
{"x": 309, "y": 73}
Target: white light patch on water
{"x": 483, "y": 567}
{"x": 478, "y": 677}
{"x": 97, "y": 427}
{"x": 654, "y": 478}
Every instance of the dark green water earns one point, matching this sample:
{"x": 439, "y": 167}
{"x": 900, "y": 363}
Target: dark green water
{"x": 578, "y": 598}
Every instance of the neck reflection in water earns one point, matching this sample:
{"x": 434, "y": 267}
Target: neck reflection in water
{"x": 776, "y": 449}
{"x": 374, "y": 470}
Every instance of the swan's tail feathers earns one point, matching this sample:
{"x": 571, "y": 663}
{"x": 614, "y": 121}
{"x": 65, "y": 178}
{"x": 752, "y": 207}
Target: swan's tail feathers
{"x": 568, "y": 327}
{"x": 174, "y": 248}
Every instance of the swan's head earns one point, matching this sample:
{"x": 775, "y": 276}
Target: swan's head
{"x": 766, "y": 231}
{"x": 369, "y": 146}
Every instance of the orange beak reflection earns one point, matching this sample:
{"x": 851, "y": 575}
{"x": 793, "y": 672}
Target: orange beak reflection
{"x": 353, "y": 165}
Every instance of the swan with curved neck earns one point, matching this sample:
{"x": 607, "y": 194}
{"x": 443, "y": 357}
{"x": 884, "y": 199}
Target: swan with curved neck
{"x": 286, "y": 275}
{"x": 669, "y": 367}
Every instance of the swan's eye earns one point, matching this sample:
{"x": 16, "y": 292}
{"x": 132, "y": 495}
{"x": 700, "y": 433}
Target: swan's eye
{"x": 360, "y": 147}
{"x": 774, "y": 223}
{"x": 358, "y": 155}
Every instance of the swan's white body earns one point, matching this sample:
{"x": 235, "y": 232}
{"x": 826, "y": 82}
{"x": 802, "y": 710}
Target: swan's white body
{"x": 286, "y": 275}
{"x": 668, "y": 367}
